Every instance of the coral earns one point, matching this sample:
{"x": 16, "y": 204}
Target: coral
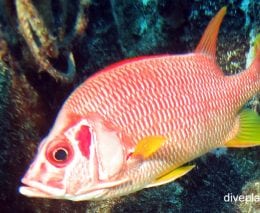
{"x": 26, "y": 58}
{"x": 46, "y": 46}
{"x": 251, "y": 195}
{"x": 153, "y": 200}
{"x": 142, "y": 25}
{"x": 4, "y": 83}
{"x": 256, "y": 103}
{"x": 4, "y": 116}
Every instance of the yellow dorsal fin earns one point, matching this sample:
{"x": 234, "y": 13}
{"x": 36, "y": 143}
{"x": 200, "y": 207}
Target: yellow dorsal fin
{"x": 208, "y": 42}
{"x": 249, "y": 130}
{"x": 171, "y": 176}
{"x": 147, "y": 146}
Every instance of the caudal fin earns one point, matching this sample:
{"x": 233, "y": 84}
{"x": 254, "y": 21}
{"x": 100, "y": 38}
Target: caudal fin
{"x": 249, "y": 131}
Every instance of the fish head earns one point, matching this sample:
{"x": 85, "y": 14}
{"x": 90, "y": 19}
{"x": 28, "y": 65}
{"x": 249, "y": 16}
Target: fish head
{"x": 80, "y": 163}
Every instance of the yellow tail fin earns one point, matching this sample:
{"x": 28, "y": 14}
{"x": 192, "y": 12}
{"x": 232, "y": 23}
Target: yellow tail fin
{"x": 249, "y": 131}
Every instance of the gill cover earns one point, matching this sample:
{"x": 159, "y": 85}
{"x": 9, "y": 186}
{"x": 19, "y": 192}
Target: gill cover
{"x": 100, "y": 143}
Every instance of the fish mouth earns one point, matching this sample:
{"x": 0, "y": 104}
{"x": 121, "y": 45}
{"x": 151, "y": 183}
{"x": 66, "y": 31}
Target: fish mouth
{"x": 33, "y": 188}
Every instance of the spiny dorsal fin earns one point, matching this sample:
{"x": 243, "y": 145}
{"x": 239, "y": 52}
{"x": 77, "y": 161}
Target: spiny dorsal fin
{"x": 208, "y": 42}
{"x": 172, "y": 175}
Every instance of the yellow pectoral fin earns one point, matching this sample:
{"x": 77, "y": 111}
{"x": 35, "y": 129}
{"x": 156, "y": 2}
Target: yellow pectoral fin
{"x": 148, "y": 145}
{"x": 171, "y": 176}
{"x": 249, "y": 131}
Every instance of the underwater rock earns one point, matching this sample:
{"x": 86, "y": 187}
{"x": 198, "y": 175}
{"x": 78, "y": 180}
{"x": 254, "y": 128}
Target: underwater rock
{"x": 250, "y": 199}
{"x": 4, "y": 93}
{"x": 5, "y": 124}
{"x": 144, "y": 26}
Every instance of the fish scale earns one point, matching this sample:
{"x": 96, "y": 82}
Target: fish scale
{"x": 164, "y": 89}
{"x": 148, "y": 99}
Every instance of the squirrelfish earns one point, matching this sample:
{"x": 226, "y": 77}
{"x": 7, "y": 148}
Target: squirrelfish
{"x": 134, "y": 124}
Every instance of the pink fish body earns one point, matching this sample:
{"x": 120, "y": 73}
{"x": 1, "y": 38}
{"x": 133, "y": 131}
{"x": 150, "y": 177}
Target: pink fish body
{"x": 134, "y": 124}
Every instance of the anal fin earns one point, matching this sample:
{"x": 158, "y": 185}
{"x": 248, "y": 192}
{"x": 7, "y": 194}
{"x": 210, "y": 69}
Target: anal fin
{"x": 171, "y": 176}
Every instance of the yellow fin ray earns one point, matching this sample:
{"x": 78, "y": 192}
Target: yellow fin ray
{"x": 148, "y": 145}
{"x": 171, "y": 176}
{"x": 249, "y": 131}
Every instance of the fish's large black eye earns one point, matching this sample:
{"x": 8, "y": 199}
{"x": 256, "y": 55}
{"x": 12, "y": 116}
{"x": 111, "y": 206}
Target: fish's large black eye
{"x": 60, "y": 154}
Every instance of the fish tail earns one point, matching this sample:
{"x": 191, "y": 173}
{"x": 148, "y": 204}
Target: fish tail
{"x": 248, "y": 132}
{"x": 248, "y": 123}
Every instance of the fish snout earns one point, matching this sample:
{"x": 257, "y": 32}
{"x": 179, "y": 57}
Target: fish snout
{"x": 41, "y": 181}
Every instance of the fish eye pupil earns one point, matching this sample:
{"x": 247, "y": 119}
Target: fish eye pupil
{"x": 60, "y": 154}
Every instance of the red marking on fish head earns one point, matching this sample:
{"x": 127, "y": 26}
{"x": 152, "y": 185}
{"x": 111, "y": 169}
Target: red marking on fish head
{"x": 84, "y": 138}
